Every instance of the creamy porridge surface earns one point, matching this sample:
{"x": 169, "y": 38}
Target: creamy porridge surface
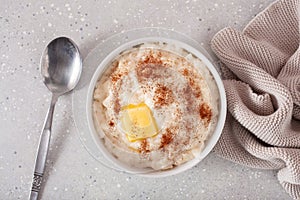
{"x": 155, "y": 106}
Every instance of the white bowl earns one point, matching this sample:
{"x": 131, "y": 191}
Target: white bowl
{"x": 209, "y": 143}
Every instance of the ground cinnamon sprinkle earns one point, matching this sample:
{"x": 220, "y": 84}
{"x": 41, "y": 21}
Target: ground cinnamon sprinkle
{"x": 163, "y": 96}
{"x": 205, "y": 113}
{"x": 117, "y": 106}
{"x": 191, "y": 78}
{"x": 148, "y": 67}
{"x": 185, "y": 72}
{"x": 115, "y": 77}
{"x": 144, "y": 146}
{"x": 166, "y": 138}
{"x": 111, "y": 123}
{"x": 187, "y": 93}
{"x": 150, "y": 59}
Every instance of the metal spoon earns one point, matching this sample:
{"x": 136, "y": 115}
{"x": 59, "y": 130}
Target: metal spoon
{"x": 61, "y": 67}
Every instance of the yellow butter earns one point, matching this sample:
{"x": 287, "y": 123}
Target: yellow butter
{"x": 137, "y": 122}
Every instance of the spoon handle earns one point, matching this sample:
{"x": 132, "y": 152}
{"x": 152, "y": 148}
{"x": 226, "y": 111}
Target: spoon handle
{"x": 42, "y": 151}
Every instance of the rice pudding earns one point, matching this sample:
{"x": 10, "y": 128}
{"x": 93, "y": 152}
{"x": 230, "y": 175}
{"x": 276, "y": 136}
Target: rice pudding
{"x": 155, "y": 106}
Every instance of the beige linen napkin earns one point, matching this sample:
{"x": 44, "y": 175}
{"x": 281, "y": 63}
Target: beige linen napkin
{"x": 261, "y": 68}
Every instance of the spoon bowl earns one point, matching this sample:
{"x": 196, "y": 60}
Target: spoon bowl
{"x": 61, "y": 65}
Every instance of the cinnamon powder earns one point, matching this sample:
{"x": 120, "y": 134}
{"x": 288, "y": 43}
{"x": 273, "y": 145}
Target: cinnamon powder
{"x": 144, "y": 146}
{"x": 166, "y": 138}
{"x": 163, "y": 96}
{"x": 205, "y": 113}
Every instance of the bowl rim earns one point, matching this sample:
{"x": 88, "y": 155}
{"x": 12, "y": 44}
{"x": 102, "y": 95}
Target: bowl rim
{"x": 209, "y": 143}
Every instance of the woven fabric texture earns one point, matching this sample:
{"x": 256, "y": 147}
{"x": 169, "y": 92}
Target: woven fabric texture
{"x": 261, "y": 69}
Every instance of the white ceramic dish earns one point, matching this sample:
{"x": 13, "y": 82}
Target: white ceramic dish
{"x": 210, "y": 142}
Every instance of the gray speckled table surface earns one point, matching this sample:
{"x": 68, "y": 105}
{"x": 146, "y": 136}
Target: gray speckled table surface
{"x": 25, "y": 29}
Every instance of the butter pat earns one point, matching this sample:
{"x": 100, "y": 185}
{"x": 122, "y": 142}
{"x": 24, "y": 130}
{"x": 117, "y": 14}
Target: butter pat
{"x": 137, "y": 122}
